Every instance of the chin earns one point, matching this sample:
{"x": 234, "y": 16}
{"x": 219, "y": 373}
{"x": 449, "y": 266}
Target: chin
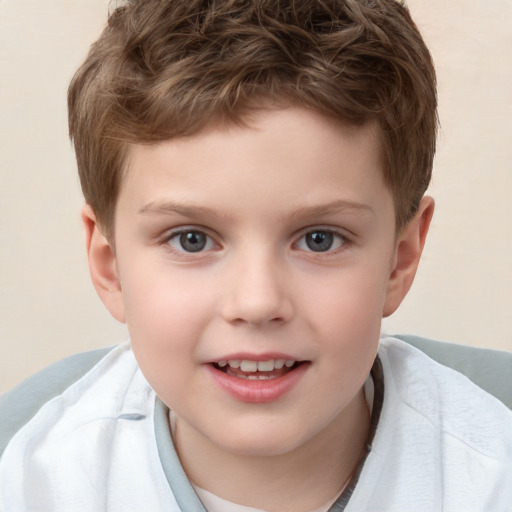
{"x": 266, "y": 441}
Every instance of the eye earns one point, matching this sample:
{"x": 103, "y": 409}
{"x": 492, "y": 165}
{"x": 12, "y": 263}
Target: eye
{"x": 321, "y": 240}
{"x": 190, "y": 240}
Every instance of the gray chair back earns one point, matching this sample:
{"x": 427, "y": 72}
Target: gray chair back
{"x": 489, "y": 369}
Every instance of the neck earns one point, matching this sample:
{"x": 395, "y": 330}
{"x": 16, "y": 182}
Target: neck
{"x": 320, "y": 467}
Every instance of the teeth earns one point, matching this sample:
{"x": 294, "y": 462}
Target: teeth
{"x": 259, "y": 376}
{"x": 248, "y": 366}
{"x": 260, "y": 366}
{"x": 265, "y": 366}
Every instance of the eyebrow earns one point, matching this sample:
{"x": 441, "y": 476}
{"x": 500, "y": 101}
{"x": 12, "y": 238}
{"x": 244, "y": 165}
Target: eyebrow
{"x": 176, "y": 208}
{"x": 335, "y": 207}
{"x": 340, "y": 206}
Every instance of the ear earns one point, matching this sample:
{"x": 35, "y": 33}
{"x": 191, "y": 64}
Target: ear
{"x": 102, "y": 265}
{"x": 409, "y": 247}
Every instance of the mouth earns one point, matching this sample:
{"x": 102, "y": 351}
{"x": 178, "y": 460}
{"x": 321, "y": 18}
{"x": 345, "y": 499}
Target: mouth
{"x": 257, "y": 370}
{"x": 258, "y": 381}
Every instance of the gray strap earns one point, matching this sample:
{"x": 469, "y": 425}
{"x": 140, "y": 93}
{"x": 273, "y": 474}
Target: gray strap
{"x": 378, "y": 400}
{"x": 183, "y": 491}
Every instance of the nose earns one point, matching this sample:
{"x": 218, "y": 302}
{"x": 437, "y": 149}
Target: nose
{"x": 258, "y": 291}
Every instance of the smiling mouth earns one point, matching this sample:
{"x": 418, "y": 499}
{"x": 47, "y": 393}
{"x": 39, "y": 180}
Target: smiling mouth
{"x": 257, "y": 370}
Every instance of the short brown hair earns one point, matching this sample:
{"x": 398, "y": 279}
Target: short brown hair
{"x": 166, "y": 68}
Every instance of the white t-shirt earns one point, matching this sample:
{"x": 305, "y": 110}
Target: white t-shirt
{"x": 103, "y": 443}
{"x": 213, "y": 503}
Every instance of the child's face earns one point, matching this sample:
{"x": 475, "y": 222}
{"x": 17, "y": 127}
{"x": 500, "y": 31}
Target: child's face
{"x": 270, "y": 242}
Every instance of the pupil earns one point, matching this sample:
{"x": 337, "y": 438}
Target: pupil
{"x": 319, "y": 241}
{"x": 193, "y": 241}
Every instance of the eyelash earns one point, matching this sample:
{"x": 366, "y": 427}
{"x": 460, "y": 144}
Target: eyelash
{"x": 335, "y": 237}
{"x": 338, "y": 238}
{"x": 182, "y": 232}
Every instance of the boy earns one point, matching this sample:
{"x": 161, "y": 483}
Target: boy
{"x": 254, "y": 173}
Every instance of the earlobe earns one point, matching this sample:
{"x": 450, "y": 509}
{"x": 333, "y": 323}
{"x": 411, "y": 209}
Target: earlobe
{"x": 102, "y": 265}
{"x": 408, "y": 251}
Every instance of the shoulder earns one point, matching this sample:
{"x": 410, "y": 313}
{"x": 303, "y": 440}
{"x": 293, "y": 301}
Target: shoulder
{"x": 447, "y": 399}
{"x": 442, "y": 443}
{"x": 19, "y": 406}
{"x": 85, "y": 440}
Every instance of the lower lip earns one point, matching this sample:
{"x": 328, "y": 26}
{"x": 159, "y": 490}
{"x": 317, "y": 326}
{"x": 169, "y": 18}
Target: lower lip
{"x": 257, "y": 391}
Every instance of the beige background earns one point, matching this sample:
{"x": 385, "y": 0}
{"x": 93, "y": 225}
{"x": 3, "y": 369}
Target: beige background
{"x": 48, "y": 308}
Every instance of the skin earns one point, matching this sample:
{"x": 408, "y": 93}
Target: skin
{"x": 259, "y": 192}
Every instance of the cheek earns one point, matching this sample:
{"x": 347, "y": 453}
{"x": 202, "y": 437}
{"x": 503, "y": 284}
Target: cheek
{"x": 165, "y": 315}
{"x": 160, "y": 296}
{"x": 349, "y": 299}
{"x": 347, "y": 318}
{"x": 165, "y": 329}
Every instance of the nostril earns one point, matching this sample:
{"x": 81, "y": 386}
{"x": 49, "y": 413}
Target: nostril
{"x": 260, "y": 320}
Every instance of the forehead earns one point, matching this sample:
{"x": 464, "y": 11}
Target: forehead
{"x": 280, "y": 155}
